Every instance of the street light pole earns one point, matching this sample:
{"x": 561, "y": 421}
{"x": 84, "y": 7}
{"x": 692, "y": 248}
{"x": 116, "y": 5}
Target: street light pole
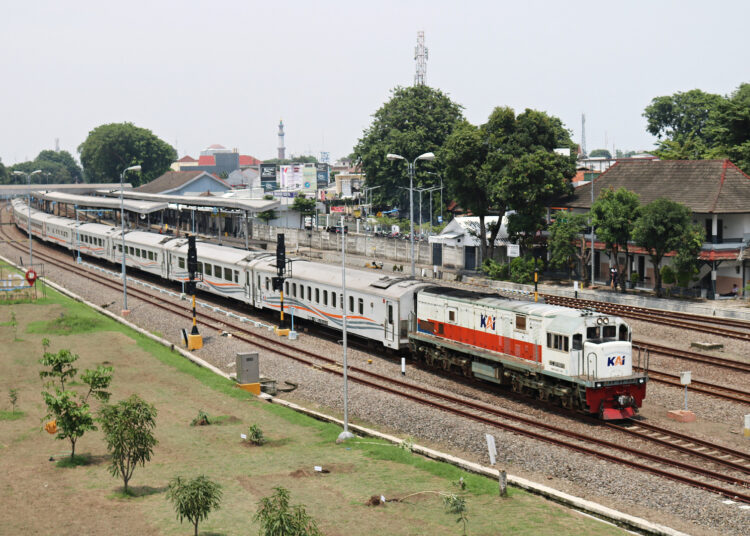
{"x": 125, "y": 310}
{"x": 28, "y": 223}
{"x": 425, "y": 156}
{"x": 346, "y": 434}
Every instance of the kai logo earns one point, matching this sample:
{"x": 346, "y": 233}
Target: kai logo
{"x": 615, "y": 360}
{"x": 487, "y": 321}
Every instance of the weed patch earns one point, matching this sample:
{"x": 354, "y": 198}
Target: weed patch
{"x": 11, "y": 415}
{"x": 66, "y": 324}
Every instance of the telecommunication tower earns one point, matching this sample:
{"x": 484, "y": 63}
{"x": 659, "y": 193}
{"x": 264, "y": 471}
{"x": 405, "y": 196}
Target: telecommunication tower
{"x": 420, "y": 56}
{"x": 583, "y": 134}
{"x": 57, "y": 145}
{"x": 282, "y": 149}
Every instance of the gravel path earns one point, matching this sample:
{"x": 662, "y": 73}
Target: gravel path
{"x": 673, "y": 504}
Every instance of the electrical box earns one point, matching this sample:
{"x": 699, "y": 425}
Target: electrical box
{"x": 248, "y": 370}
{"x": 685, "y": 377}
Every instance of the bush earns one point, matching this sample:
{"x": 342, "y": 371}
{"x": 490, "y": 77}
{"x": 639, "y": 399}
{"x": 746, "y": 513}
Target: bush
{"x": 496, "y": 270}
{"x": 201, "y": 419}
{"x": 278, "y": 518}
{"x": 634, "y": 277}
{"x": 255, "y": 435}
{"x": 522, "y": 269}
{"x": 668, "y": 276}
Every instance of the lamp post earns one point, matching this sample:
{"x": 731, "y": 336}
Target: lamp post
{"x": 346, "y": 434}
{"x": 439, "y": 176}
{"x": 420, "y": 190}
{"x": 122, "y": 233}
{"x": 425, "y": 156}
{"x": 28, "y": 222}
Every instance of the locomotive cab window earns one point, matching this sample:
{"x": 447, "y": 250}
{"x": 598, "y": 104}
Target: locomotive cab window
{"x": 521, "y": 322}
{"x": 577, "y": 341}
{"x": 592, "y": 332}
{"x": 609, "y": 332}
{"x": 451, "y": 315}
{"x": 623, "y": 333}
{"x": 557, "y": 342}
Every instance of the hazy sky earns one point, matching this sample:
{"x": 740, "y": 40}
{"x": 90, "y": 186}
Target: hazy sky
{"x": 198, "y": 73}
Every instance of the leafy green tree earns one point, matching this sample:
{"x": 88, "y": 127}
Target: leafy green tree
{"x": 596, "y": 153}
{"x": 278, "y": 518}
{"x": 613, "y": 215}
{"x": 732, "y": 127}
{"x": 567, "y": 245}
{"x": 194, "y": 499}
{"x": 111, "y": 148}
{"x": 5, "y": 176}
{"x": 65, "y": 159}
{"x": 507, "y": 164}
{"x": 661, "y": 227}
{"x": 305, "y": 206}
{"x": 686, "y": 260}
{"x": 414, "y": 121}
{"x": 128, "y": 428}
{"x": 267, "y": 215}
{"x": 70, "y": 409}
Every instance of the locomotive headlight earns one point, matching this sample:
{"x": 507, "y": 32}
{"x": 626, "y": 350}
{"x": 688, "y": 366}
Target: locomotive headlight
{"x": 598, "y": 321}
{"x": 598, "y": 385}
{"x": 605, "y": 320}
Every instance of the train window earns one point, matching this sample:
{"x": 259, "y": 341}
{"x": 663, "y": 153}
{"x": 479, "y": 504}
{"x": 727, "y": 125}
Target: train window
{"x": 268, "y": 287}
{"x": 351, "y": 304}
{"x": 309, "y": 293}
{"x": 317, "y": 295}
{"x": 138, "y": 254}
{"x": 228, "y": 274}
{"x": 333, "y": 300}
{"x": 181, "y": 262}
{"x": 130, "y": 250}
{"x": 119, "y": 248}
{"x": 217, "y": 271}
{"x": 341, "y": 303}
{"x": 592, "y": 332}
{"x": 208, "y": 271}
{"x": 258, "y": 276}
{"x": 390, "y": 313}
{"x": 286, "y": 287}
{"x": 294, "y": 289}
{"x": 623, "y": 332}
{"x": 451, "y": 315}
{"x": 325, "y": 297}
{"x": 610, "y": 332}
{"x": 361, "y": 306}
{"x": 520, "y": 322}
{"x": 577, "y": 341}
{"x": 236, "y": 276}
{"x": 150, "y": 255}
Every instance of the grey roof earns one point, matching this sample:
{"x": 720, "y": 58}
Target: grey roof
{"x": 141, "y": 207}
{"x": 704, "y": 186}
{"x": 251, "y": 205}
{"x": 172, "y": 180}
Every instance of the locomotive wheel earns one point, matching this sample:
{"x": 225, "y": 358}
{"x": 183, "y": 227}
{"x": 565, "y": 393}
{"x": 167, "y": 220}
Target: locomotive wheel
{"x": 516, "y": 385}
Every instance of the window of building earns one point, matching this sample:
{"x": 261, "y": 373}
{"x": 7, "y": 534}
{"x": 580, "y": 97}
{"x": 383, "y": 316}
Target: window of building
{"x": 520, "y": 322}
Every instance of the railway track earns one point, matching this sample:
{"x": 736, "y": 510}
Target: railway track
{"x": 729, "y": 364}
{"x": 712, "y": 389}
{"x": 708, "y": 479}
{"x": 696, "y": 323}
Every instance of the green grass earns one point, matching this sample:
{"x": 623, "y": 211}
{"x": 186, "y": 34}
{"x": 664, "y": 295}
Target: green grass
{"x": 65, "y": 325}
{"x": 76, "y": 461}
{"x": 11, "y": 415}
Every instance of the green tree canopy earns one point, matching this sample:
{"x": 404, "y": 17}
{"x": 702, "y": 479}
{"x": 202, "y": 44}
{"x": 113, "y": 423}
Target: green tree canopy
{"x": 567, "y": 246}
{"x": 128, "y": 428}
{"x": 111, "y": 148}
{"x": 278, "y": 518}
{"x": 302, "y": 159}
{"x": 663, "y": 226}
{"x": 415, "y": 120}
{"x": 507, "y": 164}
{"x": 613, "y": 215}
{"x": 305, "y": 206}
{"x": 596, "y": 153}
{"x": 5, "y": 177}
{"x": 194, "y": 499}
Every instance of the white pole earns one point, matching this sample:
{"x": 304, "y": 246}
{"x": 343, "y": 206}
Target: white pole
{"x": 346, "y": 434}
{"x": 411, "y": 215}
{"x": 122, "y": 235}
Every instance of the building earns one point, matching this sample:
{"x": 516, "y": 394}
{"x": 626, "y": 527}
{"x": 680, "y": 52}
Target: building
{"x": 458, "y": 244}
{"x": 218, "y": 160}
{"x": 185, "y": 183}
{"x": 184, "y": 163}
{"x": 716, "y": 191}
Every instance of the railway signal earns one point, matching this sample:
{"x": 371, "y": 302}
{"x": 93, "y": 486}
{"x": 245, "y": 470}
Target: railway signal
{"x": 277, "y": 283}
{"x": 194, "y": 340}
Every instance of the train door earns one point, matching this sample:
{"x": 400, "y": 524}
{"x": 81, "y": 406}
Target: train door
{"x": 391, "y": 321}
{"x": 248, "y": 286}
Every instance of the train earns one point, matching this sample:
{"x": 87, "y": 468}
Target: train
{"x": 578, "y": 359}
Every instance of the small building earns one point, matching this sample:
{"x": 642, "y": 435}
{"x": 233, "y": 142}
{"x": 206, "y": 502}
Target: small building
{"x": 458, "y": 244}
{"x": 185, "y": 183}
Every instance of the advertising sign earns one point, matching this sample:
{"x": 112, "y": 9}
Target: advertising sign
{"x": 309, "y": 177}
{"x": 338, "y": 209}
{"x": 268, "y": 176}
{"x": 321, "y": 171}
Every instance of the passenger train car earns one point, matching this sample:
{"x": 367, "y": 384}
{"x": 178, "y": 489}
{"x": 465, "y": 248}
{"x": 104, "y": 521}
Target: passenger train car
{"x": 579, "y": 359}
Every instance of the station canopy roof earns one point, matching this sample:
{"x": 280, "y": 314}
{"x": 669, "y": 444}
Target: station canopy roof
{"x": 138, "y": 206}
{"x": 236, "y": 203}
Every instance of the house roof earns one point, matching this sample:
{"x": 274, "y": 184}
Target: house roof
{"x": 172, "y": 180}
{"x": 187, "y": 158}
{"x": 704, "y": 186}
{"x": 206, "y": 160}
{"x": 247, "y": 160}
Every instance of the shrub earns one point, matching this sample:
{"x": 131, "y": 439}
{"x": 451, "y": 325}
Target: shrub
{"x": 522, "y": 269}
{"x": 668, "y": 275}
{"x": 255, "y": 435}
{"x": 201, "y": 419}
{"x": 496, "y": 270}
{"x": 278, "y": 518}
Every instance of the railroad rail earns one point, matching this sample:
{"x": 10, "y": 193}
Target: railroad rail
{"x": 731, "y": 364}
{"x": 654, "y": 316}
{"x": 707, "y": 388}
{"x": 478, "y": 411}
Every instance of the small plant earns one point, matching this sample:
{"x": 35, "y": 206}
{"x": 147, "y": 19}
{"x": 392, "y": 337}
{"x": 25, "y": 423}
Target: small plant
{"x": 277, "y": 518}
{"x": 14, "y": 324}
{"x": 456, "y": 504}
{"x": 460, "y": 484}
{"x": 407, "y": 444}
{"x": 255, "y": 435}
{"x": 668, "y": 275}
{"x": 634, "y": 278}
{"x": 201, "y": 419}
{"x": 13, "y": 397}
{"x": 194, "y": 499}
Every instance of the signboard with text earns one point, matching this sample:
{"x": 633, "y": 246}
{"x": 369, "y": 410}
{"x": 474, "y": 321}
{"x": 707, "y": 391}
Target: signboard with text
{"x": 268, "y": 176}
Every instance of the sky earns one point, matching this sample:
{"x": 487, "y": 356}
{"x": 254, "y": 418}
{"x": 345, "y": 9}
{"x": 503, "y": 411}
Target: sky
{"x": 200, "y": 73}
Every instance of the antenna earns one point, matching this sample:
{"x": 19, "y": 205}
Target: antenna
{"x": 420, "y": 56}
{"x": 57, "y": 145}
{"x": 583, "y": 134}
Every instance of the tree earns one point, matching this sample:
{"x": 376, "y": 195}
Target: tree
{"x": 277, "y": 518}
{"x": 194, "y": 499}
{"x": 613, "y": 215}
{"x": 128, "y": 430}
{"x": 305, "y": 207}
{"x": 5, "y": 176}
{"x": 567, "y": 245}
{"x": 414, "y": 121}
{"x": 507, "y": 164}
{"x": 65, "y": 159}
{"x": 70, "y": 409}
{"x": 302, "y": 159}
{"x": 686, "y": 260}
{"x": 661, "y": 227}
{"x": 596, "y": 153}
{"x": 111, "y": 148}
{"x": 267, "y": 215}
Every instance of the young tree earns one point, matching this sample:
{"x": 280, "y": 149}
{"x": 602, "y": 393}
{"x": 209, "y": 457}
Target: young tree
{"x": 194, "y": 499}
{"x": 277, "y": 518}
{"x": 128, "y": 428}
{"x": 111, "y": 148}
{"x": 662, "y": 226}
{"x": 70, "y": 409}
{"x": 613, "y": 215}
{"x": 13, "y": 398}
{"x": 267, "y": 215}
{"x": 305, "y": 206}
{"x": 567, "y": 245}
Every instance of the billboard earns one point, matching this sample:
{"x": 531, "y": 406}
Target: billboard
{"x": 321, "y": 171}
{"x": 268, "y": 176}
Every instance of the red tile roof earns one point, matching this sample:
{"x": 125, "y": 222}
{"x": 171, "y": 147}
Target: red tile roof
{"x": 187, "y": 158}
{"x": 247, "y": 160}
{"x": 206, "y": 160}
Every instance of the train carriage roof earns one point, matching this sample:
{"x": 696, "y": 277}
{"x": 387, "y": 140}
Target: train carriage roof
{"x": 215, "y": 252}
{"x": 144, "y": 238}
{"x": 98, "y": 229}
